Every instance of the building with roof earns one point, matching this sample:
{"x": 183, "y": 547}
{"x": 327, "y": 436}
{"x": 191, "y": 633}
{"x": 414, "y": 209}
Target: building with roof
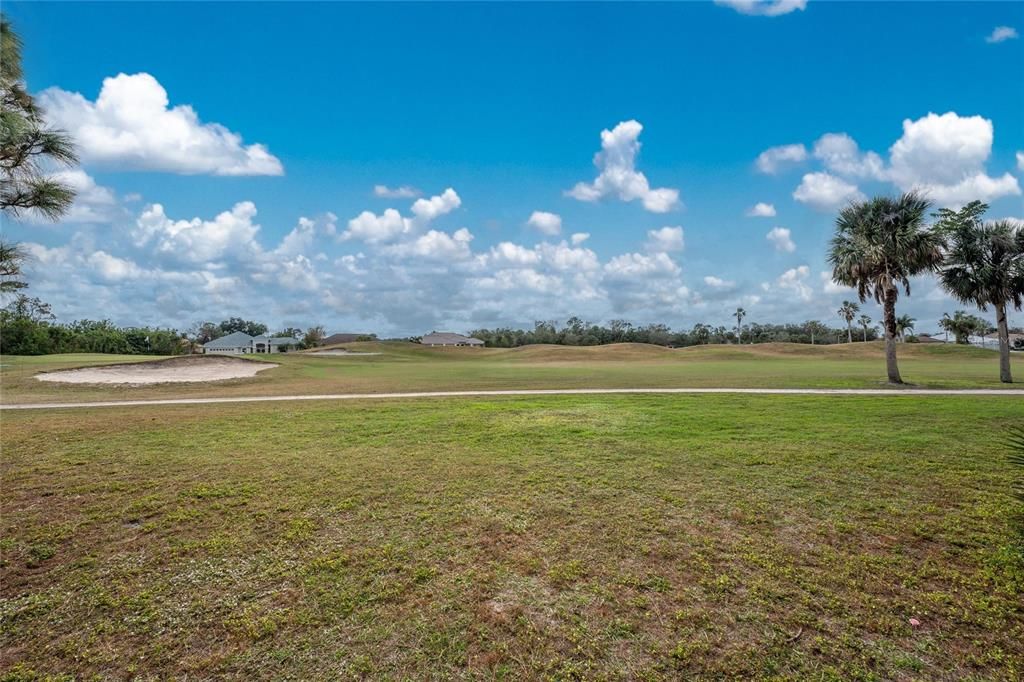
{"x": 240, "y": 343}
{"x": 449, "y": 339}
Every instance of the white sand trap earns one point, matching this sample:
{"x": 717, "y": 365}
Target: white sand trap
{"x": 187, "y": 369}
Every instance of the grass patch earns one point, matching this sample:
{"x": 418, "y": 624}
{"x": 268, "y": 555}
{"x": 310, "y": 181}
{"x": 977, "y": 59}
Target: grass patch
{"x": 409, "y": 367}
{"x": 620, "y": 537}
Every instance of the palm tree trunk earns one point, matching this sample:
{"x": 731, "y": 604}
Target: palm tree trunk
{"x": 1004, "y": 345}
{"x": 865, "y": 334}
{"x": 889, "y": 313}
{"x": 849, "y": 333}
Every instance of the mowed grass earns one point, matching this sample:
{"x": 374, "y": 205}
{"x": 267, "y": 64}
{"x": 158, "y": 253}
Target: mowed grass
{"x": 409, "y": 367}
{"x": 596, "y": 537}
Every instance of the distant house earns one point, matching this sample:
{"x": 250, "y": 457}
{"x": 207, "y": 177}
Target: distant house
{"x": 240, "y": 343}
{"x": 335, "y": 339}
{"x": 449, "y": 339}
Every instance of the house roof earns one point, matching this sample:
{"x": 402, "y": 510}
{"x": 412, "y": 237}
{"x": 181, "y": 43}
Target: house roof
{"x": 343, "y": 338}
{"x": 232, "y": 340}
{"x": 449, "y": 338}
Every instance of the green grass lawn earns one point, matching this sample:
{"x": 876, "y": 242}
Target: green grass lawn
{"x": 408, "y": 367}
{"x": 597, "y": 537}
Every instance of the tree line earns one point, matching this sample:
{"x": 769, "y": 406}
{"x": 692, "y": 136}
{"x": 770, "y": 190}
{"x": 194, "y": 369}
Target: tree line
{"x": 577, "y": 332}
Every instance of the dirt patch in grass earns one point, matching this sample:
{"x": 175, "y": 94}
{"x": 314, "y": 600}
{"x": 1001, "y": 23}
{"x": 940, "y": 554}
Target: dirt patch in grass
{"x": 188, "y": 369}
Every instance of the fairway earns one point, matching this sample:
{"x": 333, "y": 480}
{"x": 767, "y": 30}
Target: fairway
{"x": 406, "y": 367}
{"x": 584, "y": 537}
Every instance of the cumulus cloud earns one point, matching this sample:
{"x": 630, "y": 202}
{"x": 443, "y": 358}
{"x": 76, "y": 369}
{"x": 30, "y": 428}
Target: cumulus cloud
{"x": 665, "y": 239}
{"x": 132, "y": 125}
{"x": 944, "y": 156}
{"x": 1000, "y": 34}
{"x": 780, "y": 239}
{"x": 825, "y": 192}
{"x": 390, "y": 225}
{"x": 546, "y": 223}
{"x": 634, "y": 265}
{"x": 774, "y": 159}
{"x": 1020, "y": 161}
{"x": 761, "y": 210}
{"x": 579, "y": 237}
{"x": 719, "y": 283}
{"x": 403, "y": 192}
{"x": 618, "y": 176}
{"x": 436, "y": 245}
{"x": 840, "y": 154}
{"x": 764, "y": 8}
{"x": 198, "y": 241}
{"x": 792, "y": 282}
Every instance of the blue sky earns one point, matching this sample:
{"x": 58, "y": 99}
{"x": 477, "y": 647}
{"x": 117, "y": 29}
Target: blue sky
{"x": 258, "y": 199}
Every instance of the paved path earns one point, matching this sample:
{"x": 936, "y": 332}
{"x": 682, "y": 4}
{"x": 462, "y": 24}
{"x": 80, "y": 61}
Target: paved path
{"x": 1002, "y": 393}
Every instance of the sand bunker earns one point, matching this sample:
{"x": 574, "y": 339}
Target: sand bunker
{"x": 187, "y": 369}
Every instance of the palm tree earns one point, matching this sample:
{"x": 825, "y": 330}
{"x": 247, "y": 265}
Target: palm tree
{"x": 878, "y": 246}
{"x": 904, "y": 324}
{"x": 848, "y": 311}
{"x": 739, "y": 315}
{"x": 985, "y": 266}
{"x": 865, "y": 322}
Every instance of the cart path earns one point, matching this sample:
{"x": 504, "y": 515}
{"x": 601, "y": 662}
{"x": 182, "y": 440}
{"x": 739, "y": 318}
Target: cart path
{"x": 907, "y": 392}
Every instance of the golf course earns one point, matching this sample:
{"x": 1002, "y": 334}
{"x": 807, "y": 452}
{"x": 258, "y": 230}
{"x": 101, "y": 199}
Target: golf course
{"x": 530, "y": 537}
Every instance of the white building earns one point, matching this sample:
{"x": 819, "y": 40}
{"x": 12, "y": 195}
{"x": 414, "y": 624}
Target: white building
{"x": 240, "y": 343}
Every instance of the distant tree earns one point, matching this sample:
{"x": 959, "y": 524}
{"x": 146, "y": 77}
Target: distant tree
{"x": 904, "y": 324}
{"x": 290, "y": 333}
{"x": 204, "y": 332}
{"x": 701, "y": 333}
{"x": 962, "y": 324}
{"x": 878, "y": 246}
{"x": 739, "y": 315}
{"x": 848, "y": 311}
{"x": 313, "y": 337}
{"x": 237, "y": 324}
{"x": 865, "y": 322}
{"x": 984, "y": 266}
{"x": 815, "y": 329}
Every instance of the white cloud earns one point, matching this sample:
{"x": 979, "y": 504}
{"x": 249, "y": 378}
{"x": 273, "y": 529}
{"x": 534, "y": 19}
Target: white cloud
{"x": 761, "y": 210}
{"x": 199, "y": 241}
{"x": 1020, "y": 161}
{"x": 793, "y": 282}
{"x": 579, "y": 237}
{"x": 1001, "y": 33}
{"x": 403, "y": 192}
{"x": 436, "y": 245}
{"x": 131, "y": 125}
{"x": 780, "y": 239}
{"x": 825, "y": 192}
{"x": 618, "y": 177}
{"x": 665, "y": 239}
{"x": 546, "y": 223}
{"x": 390, "y": 225}
{"x": 765, "y": 8}
{"x": 509, "y": 255}
{"x": 637, "y": 265}
{"x": 944, "y": 157}
{"x": 772, "y": 160}
{"x": 719, "y": 283}
{"x": 373, "y": 228}
{"x": 429, "y": 209}
{"x": 841, "y": 155}
{"x": 300, "y": 240}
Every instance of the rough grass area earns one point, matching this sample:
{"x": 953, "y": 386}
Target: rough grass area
{"x": 410, "y": 367}
{"x": 639, "y": 537}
